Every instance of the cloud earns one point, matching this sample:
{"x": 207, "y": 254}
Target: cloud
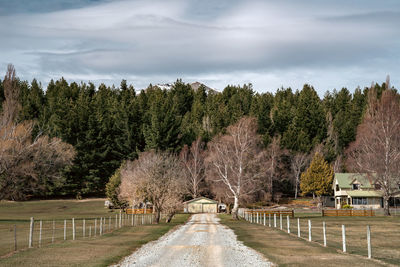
{"x": 268, "y": 43}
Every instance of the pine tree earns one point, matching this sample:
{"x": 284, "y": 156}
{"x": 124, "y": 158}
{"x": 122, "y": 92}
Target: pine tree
{"x": 113, "y": 189}
{"x": 317, "y": 179}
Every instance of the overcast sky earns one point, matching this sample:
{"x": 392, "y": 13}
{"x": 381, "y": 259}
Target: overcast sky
{"x": 329, "y": 44}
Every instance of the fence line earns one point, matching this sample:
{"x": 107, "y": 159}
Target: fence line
{"x": 248, "y": 216}
{"x": 39, "y": 233}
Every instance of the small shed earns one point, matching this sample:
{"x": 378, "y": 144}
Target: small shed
{"x": 201, "y": 205}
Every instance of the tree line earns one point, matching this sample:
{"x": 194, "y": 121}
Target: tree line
{"x": 108, "y": 125}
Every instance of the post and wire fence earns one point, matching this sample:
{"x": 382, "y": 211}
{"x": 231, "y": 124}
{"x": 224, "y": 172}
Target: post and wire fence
{"x": 18, "y": 235}
{"x": 305, "y": 229}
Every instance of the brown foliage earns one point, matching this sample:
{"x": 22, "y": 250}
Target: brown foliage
{"x": 28, "y": 165}
{"x": 156, "y": 177}
{"x": 376, "y": 150}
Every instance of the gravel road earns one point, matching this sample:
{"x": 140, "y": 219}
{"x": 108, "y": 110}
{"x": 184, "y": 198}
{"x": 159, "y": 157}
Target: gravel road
{"x": 202, "y": 241}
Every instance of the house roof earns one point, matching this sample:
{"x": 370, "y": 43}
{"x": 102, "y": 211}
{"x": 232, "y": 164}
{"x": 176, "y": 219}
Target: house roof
{"x": 345, "y": 180}
{"x": 360, "y": 193}
{"x": 200, "y": 198}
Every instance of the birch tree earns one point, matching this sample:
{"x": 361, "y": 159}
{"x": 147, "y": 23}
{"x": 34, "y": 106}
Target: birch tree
{"x": 193, "y": 161}
{"x": 298, "y": 163}
{"x": 235, "y": 161}
{"x": 272, "y": 154}
{"x": 376, "y": 150}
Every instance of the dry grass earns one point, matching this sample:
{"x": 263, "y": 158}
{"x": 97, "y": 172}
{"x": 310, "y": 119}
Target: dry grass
{"x": 18, "y": 214}
{"x": 100, "y": 251}
{"x": 288, "y": 250}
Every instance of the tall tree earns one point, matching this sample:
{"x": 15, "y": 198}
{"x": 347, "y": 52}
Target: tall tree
{"x": 376, "y": 150}
{"x": 29, "y": 164}
{"x": 193, "y": 161}
{"x": 298, "y": 163}
{"x": 272, "y": 161}
{"x": 235, "y": 161}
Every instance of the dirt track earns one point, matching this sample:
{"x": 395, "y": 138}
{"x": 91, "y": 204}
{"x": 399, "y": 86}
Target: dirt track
{"x": 203, "y": 241}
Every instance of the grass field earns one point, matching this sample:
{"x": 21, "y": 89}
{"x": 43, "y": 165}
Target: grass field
{"x": 285, "y": 249}
{"x": 52, "y": 209}
{"x": 19, "y": 213}
{"x": 100, "y": 251}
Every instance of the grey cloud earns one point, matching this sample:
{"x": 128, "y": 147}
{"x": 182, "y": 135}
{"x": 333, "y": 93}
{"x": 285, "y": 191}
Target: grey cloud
{"x": 139, "y": 38}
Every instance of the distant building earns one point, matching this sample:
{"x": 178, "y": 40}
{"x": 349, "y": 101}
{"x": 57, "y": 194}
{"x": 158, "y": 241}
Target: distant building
{"x": 358, "y": 191}
{"x": 201, "y": 205}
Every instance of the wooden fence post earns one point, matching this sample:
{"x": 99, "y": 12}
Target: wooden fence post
{"x": 280, "y": 221}
{"x": 132, "y": 219}
{"x": 120, "y": 218}
{"x": 90, "y": 231}
{"x": 54, "y": 230}
{"x": 269, "y": 219}
{"x": 84, "y": 228}
{"x": 369, "y": 241}
{"x": 309, "y": 230}
{"x": 324, "y": 232}
{"x": 40, "y": 233}
{"x": 298, "y": 227}
{"x": 344, "y": 237}
{"x": 264, "y": 218}
{"x": 288, "y": 224}
{"x": 73, "y": 229}
{"x": 101, "y": 226}
{"x": 15, "y": 237}
{"x": 65, "y": 229}
{"x": 31, "y": 233}
{"x": 95, "y": 226}
{"x": 274, "y": 220}
{"x": 116, "y": 221}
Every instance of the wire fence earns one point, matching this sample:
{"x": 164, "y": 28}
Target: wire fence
{"x": 372, "y": 237}
{"x": 20, "y": 235}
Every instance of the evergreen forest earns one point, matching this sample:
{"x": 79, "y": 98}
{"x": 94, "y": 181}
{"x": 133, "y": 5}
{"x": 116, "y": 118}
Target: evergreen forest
{"x": 107, "y": 125}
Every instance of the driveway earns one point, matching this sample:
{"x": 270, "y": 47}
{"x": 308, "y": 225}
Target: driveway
{"x": 202, "y": 241}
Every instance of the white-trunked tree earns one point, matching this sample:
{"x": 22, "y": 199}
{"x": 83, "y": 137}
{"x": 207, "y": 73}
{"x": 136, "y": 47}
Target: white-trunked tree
{"x": 235, "y": 161}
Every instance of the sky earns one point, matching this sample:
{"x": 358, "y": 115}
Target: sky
{"x": 271, "y": 44}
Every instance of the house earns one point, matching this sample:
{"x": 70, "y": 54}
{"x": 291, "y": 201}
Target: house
{"x": 201, "y": 205}
{"x": 356, "y": 190}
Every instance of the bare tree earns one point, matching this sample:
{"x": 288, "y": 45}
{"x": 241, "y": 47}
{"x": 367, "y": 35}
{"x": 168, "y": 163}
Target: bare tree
{"x": 376, "y": 150}
{"x": 28, "y": 165}
{"x": 235, "y": 161}
{"x": 11, "y": 104}
{"x": 272, "y": 161}
{"x": 298, "y": 163}
{"x": 193, "y": 161}
{"x": 156, "y": 177}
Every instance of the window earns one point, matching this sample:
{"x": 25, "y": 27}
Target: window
{"x": 359, "y": 201}
{"x": 337, "y": 187}
{"x": 356, "y": 186}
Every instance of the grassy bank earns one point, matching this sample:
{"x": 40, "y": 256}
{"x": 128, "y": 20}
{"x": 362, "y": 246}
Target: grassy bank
{"x": 288, "y": 250}
{"x": 101, "y": 251}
